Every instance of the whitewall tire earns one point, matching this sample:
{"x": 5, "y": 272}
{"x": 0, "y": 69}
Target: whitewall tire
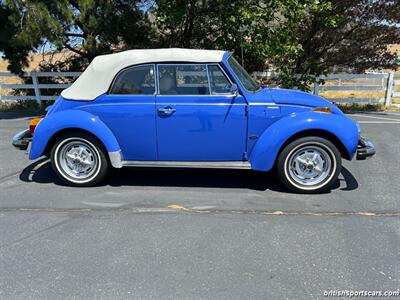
{"x": 309, "y": 165}
{"x": 79, "y": 159}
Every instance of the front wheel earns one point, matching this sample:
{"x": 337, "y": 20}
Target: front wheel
{"x": 79, "y": 159}
{"x": 309, "y": 165}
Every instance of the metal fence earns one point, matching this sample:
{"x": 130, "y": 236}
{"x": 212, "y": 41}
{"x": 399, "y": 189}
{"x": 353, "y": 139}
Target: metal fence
{"x": 383, "y": 83}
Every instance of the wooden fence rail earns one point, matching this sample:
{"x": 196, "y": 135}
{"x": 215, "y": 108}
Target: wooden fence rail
{"x": 382, "y": 82}
{"x": 36, "y": 86}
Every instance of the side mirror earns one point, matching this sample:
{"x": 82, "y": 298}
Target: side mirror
{"x": 234, "y": 89}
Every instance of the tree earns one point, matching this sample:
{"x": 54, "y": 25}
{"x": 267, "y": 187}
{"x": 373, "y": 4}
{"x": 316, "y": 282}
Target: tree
{"x": 18, "y": 49}
{"x": 87, "y": 28}
{"x": 300, "y": 39}
{"x": 236, "y": 25}
{"x": 352, "y": 34}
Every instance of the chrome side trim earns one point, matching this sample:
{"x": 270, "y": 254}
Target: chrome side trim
{"x": 262, "y": 104}
{"x": 268, "y": 104}
{"x": 206, "y": 104}
{"x": 116, "y": 159}
{"x": 295, "y": 105}
{"x": 174, "y": 103}
{"x": 189, "y": 164}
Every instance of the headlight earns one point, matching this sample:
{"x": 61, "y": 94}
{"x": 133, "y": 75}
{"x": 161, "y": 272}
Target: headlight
{"x": 325, "y": 110}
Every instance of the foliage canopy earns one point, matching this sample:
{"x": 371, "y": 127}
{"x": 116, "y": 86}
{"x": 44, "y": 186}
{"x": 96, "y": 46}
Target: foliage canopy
{"x": 304, "y": 37}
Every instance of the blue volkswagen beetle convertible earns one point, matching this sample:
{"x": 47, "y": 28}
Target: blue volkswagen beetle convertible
{"x": 190, "y": 108}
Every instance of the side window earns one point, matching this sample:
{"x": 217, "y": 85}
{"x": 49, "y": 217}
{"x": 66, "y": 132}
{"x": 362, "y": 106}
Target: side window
{"x": 134, "y": 81}
{"x": 183, "y": 80}
{"x": 218, "y": 81}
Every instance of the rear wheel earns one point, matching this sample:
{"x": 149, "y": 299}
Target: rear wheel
{"x": 79, "y": 159}
{"x": 309, "y": 165}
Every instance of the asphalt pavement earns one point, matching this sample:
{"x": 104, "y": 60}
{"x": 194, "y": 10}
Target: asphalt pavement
{"x": 199, "y": 234}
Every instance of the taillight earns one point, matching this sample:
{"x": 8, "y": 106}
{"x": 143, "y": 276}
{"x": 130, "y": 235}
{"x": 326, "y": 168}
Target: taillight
{"x": 33, "y": 124}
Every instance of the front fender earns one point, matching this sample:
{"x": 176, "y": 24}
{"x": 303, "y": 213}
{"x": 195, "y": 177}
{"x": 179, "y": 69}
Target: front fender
{"x": 265, "y": 151}
{"x": 74, "y": 119}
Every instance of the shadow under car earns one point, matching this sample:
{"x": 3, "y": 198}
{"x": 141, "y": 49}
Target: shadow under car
{"x": 41, "y": 172}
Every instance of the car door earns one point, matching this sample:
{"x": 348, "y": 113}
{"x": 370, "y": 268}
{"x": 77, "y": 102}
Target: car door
{"x": 198, "y": 119}
{"x": 128, "y": 109}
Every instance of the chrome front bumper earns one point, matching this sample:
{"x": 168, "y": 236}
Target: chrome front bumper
{"x": 365, "y": 149}
{"x": 22, "y": 139}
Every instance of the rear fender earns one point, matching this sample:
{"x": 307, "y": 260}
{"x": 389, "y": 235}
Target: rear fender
{"x": 72, "y": 119}
{"x": 268, "y": 146}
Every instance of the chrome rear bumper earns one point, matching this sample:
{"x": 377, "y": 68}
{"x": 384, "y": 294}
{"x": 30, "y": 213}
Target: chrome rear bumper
{"x": 365, "y": 149}
{"x": 22, "y": 139}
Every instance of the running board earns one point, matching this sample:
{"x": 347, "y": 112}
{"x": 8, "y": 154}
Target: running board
{"x": 188, "y": 164}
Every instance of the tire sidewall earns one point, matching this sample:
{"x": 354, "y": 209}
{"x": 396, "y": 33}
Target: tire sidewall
{"x": 290, "y": 149}
{"x": 101, "y": 169}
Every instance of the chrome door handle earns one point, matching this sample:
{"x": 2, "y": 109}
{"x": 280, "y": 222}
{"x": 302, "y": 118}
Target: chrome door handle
{"x": 168, "y": 110}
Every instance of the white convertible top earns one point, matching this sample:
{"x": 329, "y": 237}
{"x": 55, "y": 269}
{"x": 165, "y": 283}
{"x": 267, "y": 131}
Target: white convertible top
{"x": 98, "y": 76}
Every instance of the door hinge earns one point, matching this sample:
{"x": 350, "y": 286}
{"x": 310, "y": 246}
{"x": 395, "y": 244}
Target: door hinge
{"x": 246, "y": 109}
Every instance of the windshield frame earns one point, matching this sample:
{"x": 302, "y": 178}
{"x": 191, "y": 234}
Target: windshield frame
{"x": 244, "y": 74}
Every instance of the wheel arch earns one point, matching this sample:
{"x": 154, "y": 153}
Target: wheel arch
{"x": 54, "y": 125}
{"x": 319, "y": 133}
{"x": 56, "y": 135}
{"x": 338, "y": 129}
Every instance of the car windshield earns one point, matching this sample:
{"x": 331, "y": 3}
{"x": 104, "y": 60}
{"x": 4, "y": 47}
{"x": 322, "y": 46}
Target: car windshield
{"x": 244, "y": 77}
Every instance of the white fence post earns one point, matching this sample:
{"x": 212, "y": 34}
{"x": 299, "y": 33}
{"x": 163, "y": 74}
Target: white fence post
{"x": 316, "y": 87}
{"x": 389, "y": 89}
{"x": 36, "y": 87}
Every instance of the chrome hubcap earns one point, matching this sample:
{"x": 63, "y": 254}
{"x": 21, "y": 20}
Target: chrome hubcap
{"x": 310, "y": 165}
{"x": 78, "y": 159}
